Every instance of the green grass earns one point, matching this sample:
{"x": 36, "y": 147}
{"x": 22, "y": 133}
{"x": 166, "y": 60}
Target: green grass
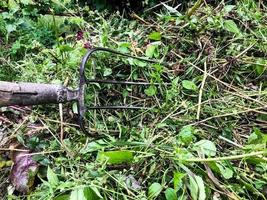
{"x": 203, "y": 135}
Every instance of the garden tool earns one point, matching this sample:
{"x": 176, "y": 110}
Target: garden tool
{"x": 13, "y": 93}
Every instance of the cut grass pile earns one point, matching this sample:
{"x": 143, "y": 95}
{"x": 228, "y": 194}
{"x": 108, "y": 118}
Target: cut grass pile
{"x": 201, "y": 136}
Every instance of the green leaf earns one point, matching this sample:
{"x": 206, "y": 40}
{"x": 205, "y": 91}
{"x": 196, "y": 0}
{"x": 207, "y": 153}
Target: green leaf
{"x": 150, "y": 50}
{"x": 231, "y": 26}
{"x": 155, "y": 36}
{"x": 124, "y": 47}
{"x": 90, "y": 194}
{"x": 10, "y": 28}
{"x": 2, "y": 163}
{"x": 154, "y": 190}
{"x": 107, "y": 72}
{"x": 26, "y": 2}
{"x": 257, "y": 137}
{"x": 151, "y": 90}
{"x": 62, "y": 197}
{"x": 172, "y": 10}
{"x": 226, "y": 172}
{"x": 75, "y": 108}
{"x": 115, "y": 157}
{"x": 178, "y": 180}
{"x": 12, "y": 5}
{"x": 77, "y": 194}
{"x": 52, "y": 177}
{"x": 65, "y": 48}
{"x": 93, "y": 146}
{"x": 104, "y": 39}
{"x": 170, "y": 194}
{"x": 252, "y": 137}
{"x": 84, "y": 193}
{"x": 96, "y": 191}
{"x": 193, "y": 187}
{"x": 186, "y": 135}
{"x": 228, "y": 8}
{"x": 206, "y": 147}
{"x": 201, "y": 188}
{"x": 189, "y": 85}
{"x": 139, "y": 63}
{"x": 260, "y": 66}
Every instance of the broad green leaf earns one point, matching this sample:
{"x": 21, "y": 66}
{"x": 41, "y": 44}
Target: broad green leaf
{"x": 189, "y": 85}
{"x": 75, "y": 108}
{"x": 27, "y": 2}
{"x": 77, "y": 194}
{"x": 52, "y": 177}
{"x": 193, "y": 187}
{"x": 104, "y": 39}
{"x": 93, "y": 146}
{"x": 2, "y": 163}
{"x": 124, "y": 47}
{"x": 96, "y": 191}
{"x": 12, "y": 5}
{"x": 252, "y": 137}
{"x": 65, "y": 48}
{"x": 257, "y": 137}
{"x": 206, "y": 147}
{"x": 62, "y": 197}
{"x": 139, "y": 63}
{"x": 151, "y": 90}
{"x": 66, "y": 185}
{"x": 226, "y": 172}
{"x": 231, "y": 26}
{"x": 90, "y": 194}
{"x": 115, "y": 157}
{"x": 76, "y": 20}
{"x": 172, "y": 10}
{"x": 228, "y": 8}
{"x": 150, "y": 50}
{"x": 107, "y": 72}
{"x": 155, "y": 36}
{"x": 170, "y": 194}
{"x": 260, "y": 69}
{"x": 201, "y": 188}
{"x": 260, "y": 66}
{"x": 186, "y": 134}
{"x": 154, "y": 190}
{"x": 10, "y": 28}
{"x": 84, "y": 193}
{"x": 178, "y": 180}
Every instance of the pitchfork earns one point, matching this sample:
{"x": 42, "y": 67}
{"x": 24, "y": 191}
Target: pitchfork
{"x": 12, "y": 93}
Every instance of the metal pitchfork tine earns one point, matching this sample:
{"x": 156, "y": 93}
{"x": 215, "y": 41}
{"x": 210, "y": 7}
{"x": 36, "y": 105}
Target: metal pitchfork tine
{"x": 37, "y": 93}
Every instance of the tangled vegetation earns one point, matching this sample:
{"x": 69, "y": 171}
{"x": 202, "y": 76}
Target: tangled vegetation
{"x": 201, "y": 132}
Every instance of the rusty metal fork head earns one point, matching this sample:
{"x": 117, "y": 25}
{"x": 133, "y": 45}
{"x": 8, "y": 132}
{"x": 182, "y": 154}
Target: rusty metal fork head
{"x": 82, "y": 108}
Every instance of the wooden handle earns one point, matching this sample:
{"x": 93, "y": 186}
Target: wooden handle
{"x": 32, "y": 94}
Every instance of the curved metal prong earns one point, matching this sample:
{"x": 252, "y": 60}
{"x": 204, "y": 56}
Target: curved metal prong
{"x": 84, "y": 81}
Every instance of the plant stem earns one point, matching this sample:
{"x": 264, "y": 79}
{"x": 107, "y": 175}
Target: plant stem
{"x": 194, "y": 8}
{"x": 234, "y": 157}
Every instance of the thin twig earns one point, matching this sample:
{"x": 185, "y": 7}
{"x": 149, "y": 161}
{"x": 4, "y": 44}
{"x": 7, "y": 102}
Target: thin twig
{"x": 10, "y": 149}
{"x": 61, "y": 122}
{"x": 194, "y": 8}
{"x": 156, "y": 6}
{"x": 234, "y": 157}
{"x": 201, "y": 90}
{"x": 229, "y": 114}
